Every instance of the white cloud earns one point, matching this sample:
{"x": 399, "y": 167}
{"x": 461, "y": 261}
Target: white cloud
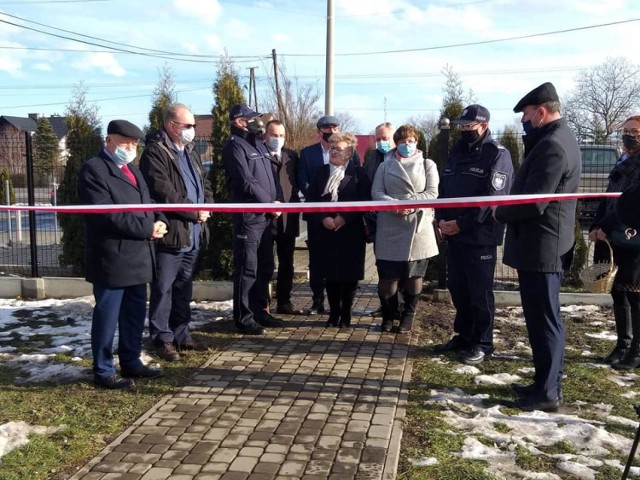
{"x": 207, "y": 11}
{"x": 103, "y": 61}
{"x": 42, "y": 66}
{"x": 281, "y": 38}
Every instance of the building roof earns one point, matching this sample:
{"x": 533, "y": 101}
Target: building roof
{"x": 204, "y": 126}
{"x": 28, "y": 124}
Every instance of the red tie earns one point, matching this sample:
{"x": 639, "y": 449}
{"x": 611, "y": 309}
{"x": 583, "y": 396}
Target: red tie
{"x": 129, "y": 174}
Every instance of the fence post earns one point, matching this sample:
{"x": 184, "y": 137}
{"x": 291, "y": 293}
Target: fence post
{"x": 8, "y": 195}
{"x": 33, "y": 244}
{"x": 443, "y": 146}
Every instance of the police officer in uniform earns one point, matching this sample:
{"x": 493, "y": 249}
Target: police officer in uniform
{"x": 250, "y": 179}
{"x": 477, "y": 166}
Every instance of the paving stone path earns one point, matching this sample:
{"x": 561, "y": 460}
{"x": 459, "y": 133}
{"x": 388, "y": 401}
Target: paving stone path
{"x": 303, "y": 402}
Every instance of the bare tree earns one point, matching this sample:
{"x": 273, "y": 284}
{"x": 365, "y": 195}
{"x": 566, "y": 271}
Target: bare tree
{"x": 300, "y": 107}
{"x": 427, "y": 124}
{"x": 604, "y": 97}
{"x": 348, "y": 123}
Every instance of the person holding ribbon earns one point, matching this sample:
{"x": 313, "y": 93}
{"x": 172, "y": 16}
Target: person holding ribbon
{"x": 340, "y": 246}
{"x": 405, "y": 238}
{"x": 119, "y": 255}
{"x": 626, "y": 252}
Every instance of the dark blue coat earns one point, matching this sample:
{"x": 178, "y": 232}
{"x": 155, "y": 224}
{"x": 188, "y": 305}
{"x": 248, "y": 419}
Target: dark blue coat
{"x": 540, "y": 235}
{"x": 484, "y": 169}
{"x": 119, "y": 250}
{"x": 249, "y": 173}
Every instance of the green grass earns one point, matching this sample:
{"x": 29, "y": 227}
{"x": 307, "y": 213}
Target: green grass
{"x": 91, "y": 417}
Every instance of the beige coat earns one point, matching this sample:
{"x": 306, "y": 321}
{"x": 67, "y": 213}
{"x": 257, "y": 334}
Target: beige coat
{"x": 411, "y": 237}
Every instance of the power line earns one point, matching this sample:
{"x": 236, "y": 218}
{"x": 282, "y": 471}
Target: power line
{"x": 33, "y": 2}
{"x": 468, "y": 44}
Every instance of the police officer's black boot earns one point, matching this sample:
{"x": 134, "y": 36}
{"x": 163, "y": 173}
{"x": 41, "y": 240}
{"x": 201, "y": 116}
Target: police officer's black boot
{"x": 348, "y": 294}
{"x": 409, "y": 312}
{"x": 631, "y": 359}
{"x": 389, "y": 311}
{"x": 333, "y": 295}
{"x": 622, "y": 316}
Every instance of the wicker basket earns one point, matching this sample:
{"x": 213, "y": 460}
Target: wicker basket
{"x": 598, "y": 278}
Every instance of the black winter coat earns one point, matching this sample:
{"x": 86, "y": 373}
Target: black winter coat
{"x": 118, "y": 249}
{"x": 540, "y": 235}
{"x": 340, "y": 253}
{"x": 161, "y": 169}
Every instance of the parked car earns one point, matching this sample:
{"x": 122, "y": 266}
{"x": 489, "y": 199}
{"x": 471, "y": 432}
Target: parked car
{"x": 597, "y": 162}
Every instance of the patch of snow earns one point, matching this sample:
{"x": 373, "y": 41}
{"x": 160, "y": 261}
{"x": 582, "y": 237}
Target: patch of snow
{"x": 497, "y": 379}
{"x": 16, "y": 434}
{"x": 467, "y": 369}
{"x": 603, "y": 335}
{"x": 424, "y": 462}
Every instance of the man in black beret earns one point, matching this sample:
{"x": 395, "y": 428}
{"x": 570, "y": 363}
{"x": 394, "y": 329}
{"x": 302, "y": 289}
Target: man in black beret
{"x": 119, "y": 256}
{"x": 540, "y": 239}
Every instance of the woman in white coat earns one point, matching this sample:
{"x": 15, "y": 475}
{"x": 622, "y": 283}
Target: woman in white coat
{"x": 405, "y": 238}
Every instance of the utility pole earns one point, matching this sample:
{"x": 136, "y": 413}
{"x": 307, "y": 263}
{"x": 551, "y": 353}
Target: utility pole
{"x": 385, "y": 109}
{"x": 252, "y": 88}
{"x": 281, "y": 112}
{"x": 328, "y": 94}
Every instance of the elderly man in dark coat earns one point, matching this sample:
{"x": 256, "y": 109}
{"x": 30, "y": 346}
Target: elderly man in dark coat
{"x": 540, "y": 239}
{"x": 119, "y": 255}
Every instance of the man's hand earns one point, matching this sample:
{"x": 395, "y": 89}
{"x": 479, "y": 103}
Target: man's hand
{"x": 329, "y": 223}
{"x": 405, "y": 212}
{"x": 449, "y": 227}
{"x": 276, "y": 214}
{"x": 159, "y": 230}
{"x": 338, "y": 221}
{"x": 597, "y": 234}
{"x": 203, "y": 216}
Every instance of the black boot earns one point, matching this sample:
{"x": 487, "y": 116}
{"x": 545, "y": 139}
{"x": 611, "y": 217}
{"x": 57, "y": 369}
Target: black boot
{"x": 632, "y": 358}
{"x": 622, "y": 316}
{"x": 348, "y": 291}
{"x": 389, "y": 310}
{"x": 409, "y": 312}
{"x": 333, "y": 295}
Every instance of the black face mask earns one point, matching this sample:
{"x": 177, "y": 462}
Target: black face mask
{"x": 326, "y": 136}
{"x": 256, "y": 126}
{"x": 470, "y": 136}
{"x": 631, "y": 142}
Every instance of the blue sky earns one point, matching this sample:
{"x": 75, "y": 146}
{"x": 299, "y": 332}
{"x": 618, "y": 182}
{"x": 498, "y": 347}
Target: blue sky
{"x": 38, "y": 70}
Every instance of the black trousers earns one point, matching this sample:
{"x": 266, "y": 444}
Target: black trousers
{"x": 540, "y": 295}
{"x": 252, "y": 269}
{"x": 470, "y": 274}
{"x": 285, "y": 247}
{"x": 316, "y": 279}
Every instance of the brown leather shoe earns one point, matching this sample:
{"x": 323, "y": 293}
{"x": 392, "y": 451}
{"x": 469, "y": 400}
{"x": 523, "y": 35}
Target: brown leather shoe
{"x": 167, "y": 352}
{"x": 190, "y": 344}
{"x": 289, "y": 309}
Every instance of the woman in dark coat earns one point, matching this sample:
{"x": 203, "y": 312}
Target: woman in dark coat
{"x": 607, "y": 225}
{"x": 340, "y": 246}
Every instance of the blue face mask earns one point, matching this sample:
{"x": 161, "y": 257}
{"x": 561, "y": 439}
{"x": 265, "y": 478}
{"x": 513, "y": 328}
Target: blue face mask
{"x": 124, "y": 156}
{"x": 407, "y": 149}
{"x": 383, "y": 146}
{"x": 527, "y": 127}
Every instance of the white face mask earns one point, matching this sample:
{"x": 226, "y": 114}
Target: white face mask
{"x": 124, "y": 156}
{"x": 187, "y": 135}
{"x": 275, "y": 144}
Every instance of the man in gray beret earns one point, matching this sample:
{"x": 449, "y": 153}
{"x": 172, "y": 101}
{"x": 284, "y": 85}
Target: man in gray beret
{"x": 540, "y": 239}
{"x": 119, "y": 250}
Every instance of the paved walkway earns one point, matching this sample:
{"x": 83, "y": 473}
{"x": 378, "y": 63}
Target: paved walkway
{"x": 303, "y": 402}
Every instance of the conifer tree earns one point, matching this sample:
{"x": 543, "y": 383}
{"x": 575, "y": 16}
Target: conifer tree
{"x": 163, "y": 96}
{"x": 46, "y": 150}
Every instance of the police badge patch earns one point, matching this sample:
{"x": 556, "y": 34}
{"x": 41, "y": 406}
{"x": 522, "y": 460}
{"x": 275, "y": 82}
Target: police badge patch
{"x": 498, "y": 180}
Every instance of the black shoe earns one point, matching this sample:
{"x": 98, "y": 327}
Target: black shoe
{"x": 377, "y": 313}
{"x": 332, "y": 322}
{"x": 167, "y": 351}
{"x": 113, "y": 383}
{"x": 268, "y": 320}
{"x": 140, "y": 372}
{"x": 529, "y": 404}
{"x": 317, "y": 308}
{"x": 252, "y": 328}
{"x": 456, "y": 344}
{"x": 386, "y": 326}
{"x": 616, "y": 355}
{"x": 476, "y": 355}
{"x": 523, "y": 390}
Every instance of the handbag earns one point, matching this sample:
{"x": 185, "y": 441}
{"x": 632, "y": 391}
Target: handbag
{"x": 627, "y": 239}
{"x": 370, "y": 226}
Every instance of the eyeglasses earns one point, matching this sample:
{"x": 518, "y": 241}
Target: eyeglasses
{"x": 340, "y": 152}
{"x": 634, "y": 132}
{"x": 185, "y": 125}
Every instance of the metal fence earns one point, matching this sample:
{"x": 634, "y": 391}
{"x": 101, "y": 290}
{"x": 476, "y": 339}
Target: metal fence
{"x": 30, "y": 242}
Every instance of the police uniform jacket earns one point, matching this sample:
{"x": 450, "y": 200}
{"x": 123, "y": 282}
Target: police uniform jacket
{"x": 161, "y": 169}
{"x": 412, "y": 237}
{"x": 249, "y": 174}
{"x": 119, "y": 251}
{"x": 539, "y": 235}
{"x": 482, "y": 169}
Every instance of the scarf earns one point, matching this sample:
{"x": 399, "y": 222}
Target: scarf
{"x": 335, "y": 177}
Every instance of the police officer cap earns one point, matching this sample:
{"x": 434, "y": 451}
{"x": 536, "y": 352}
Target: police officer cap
{"x": 242, "y": 111}
{"x": 328, "y": 121}
{"x": 124, "y": 128}
{"x": 539, "y": 95}
{"x": 473, "y": 114}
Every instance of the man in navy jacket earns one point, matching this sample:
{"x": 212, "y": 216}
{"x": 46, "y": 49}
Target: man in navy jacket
{"x": 250, "y": 179}
{"x": 119, "y": 255}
